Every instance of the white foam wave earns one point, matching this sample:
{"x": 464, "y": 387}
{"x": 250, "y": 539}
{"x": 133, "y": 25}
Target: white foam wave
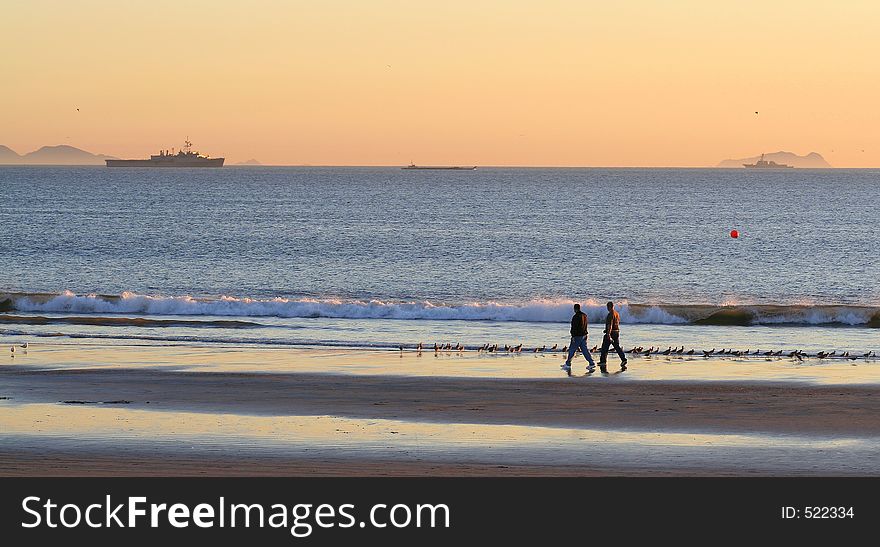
{"x": 534, "y": 311}
{"x": 539, "y": 311}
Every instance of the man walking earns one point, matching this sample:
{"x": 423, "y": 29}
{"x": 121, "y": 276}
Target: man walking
{"x": 579, "y": 340}
{"x": 612, "y": 336}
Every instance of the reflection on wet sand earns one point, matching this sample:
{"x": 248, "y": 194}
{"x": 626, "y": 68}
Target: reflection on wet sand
{"x": 110, "y": 409}
{"x": 450, "y": 364}
{"x": 169, "y": 435}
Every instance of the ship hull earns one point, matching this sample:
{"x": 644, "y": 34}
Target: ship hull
{"x": 433, "y": 168}
{"x": 768, "y": 167}
{"x": 209, "y": 162}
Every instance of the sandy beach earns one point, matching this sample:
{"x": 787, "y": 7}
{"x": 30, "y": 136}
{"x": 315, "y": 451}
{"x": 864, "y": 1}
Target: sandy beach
{"x": 182, "y": 410}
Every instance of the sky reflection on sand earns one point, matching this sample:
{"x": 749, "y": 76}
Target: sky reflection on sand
{"x": 104, "y": 427}
{"x": 467, "y": 364}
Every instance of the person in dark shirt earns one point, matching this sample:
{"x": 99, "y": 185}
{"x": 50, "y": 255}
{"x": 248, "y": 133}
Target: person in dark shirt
{"x": 579, "y": 339}
{"x": 612, "y": 336}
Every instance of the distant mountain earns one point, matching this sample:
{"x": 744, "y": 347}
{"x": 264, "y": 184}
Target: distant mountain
{"x": 64, "y": 155}
{"x": 811, "y": 160}
{"x": 53, "y": 155}
{"x": 251, "y": 161}
{"x": 8, "y": 155}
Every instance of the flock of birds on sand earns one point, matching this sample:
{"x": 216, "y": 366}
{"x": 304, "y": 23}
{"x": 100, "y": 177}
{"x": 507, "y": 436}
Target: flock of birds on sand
{"x": 797, "y": 355}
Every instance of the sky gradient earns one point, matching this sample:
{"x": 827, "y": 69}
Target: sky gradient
{"x": 556, "y": 82}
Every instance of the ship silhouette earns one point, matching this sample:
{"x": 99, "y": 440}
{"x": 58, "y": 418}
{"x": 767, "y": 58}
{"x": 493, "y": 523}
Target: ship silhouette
{"x": 762, "y": 164}
{"x": 452, "y": 167}
{"x": 183, "y": 158}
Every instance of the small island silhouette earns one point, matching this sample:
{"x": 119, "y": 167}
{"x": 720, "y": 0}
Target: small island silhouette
{"x": 251, "y": 161}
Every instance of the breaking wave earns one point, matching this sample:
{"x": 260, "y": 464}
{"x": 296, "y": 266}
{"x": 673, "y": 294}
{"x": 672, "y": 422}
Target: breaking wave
{"x": 530, "y": 311}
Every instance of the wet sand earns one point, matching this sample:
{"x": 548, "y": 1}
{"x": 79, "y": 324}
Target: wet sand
{"x": 129, "y": 417}
{"x": 584, "y": 402}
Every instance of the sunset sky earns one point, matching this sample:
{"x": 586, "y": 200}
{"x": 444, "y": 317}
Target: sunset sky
{"x": 379, "y": 82}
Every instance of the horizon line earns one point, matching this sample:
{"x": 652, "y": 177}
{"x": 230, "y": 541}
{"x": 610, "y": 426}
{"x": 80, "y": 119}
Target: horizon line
{"x": 507, "y": 166}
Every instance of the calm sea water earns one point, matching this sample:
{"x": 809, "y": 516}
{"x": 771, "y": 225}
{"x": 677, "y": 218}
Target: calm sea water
{"x": 383, "y": 255}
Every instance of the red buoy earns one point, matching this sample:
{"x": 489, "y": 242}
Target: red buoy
{"x": 734, "y": 234}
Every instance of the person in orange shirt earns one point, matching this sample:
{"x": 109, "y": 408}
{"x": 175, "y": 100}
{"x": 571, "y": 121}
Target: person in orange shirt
{"x": 612, "y": 336}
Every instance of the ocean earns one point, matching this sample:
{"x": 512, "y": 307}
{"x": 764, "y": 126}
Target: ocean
{"x": 379, "y": 257}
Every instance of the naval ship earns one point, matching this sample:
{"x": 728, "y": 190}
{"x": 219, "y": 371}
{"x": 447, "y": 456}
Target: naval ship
{"x": 761, "y": 164}
{"x": 183, "y": 158}
{"x": 453, "y": 167}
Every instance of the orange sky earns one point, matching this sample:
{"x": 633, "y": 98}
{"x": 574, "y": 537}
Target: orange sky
{"x": 379, "y": 82}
